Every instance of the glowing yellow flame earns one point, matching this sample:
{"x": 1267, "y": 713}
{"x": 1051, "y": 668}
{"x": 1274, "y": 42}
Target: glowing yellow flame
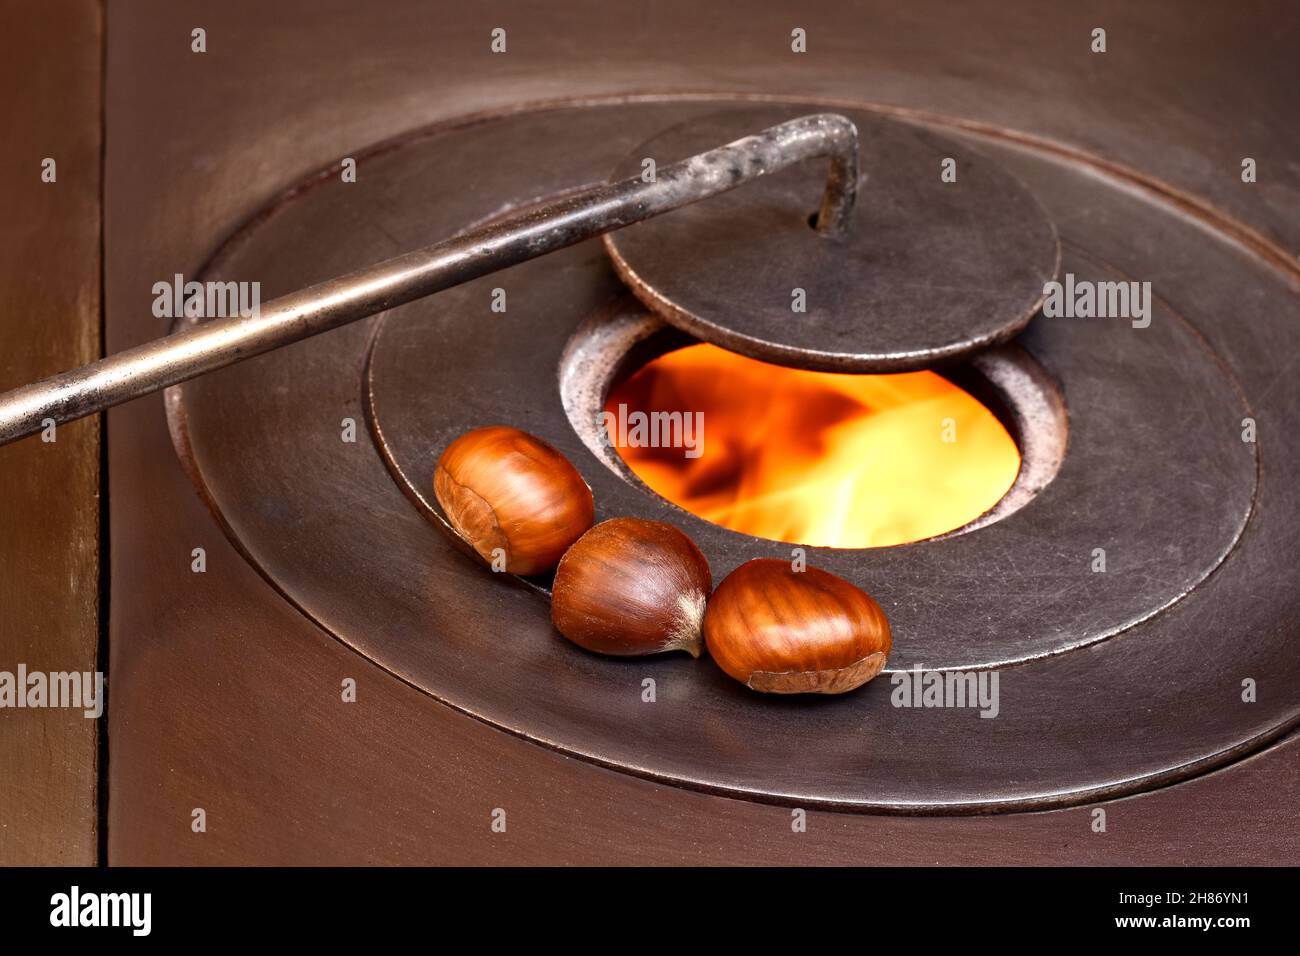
{"x": 816, "y": 458}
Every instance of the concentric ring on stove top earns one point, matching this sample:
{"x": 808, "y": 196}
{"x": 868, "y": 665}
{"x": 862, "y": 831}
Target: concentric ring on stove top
{"x": 946, "y": 597}
{"x": 324, "y": 523}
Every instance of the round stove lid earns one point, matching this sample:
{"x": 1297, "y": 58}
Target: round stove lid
{"x": 946, "y": 252}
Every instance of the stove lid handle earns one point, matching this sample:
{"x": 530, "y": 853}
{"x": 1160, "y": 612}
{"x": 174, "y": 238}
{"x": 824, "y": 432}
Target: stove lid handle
{"x": 525, "y": 235}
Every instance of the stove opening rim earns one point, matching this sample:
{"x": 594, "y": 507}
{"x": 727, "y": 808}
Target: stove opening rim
{"x": 615, "y": 342}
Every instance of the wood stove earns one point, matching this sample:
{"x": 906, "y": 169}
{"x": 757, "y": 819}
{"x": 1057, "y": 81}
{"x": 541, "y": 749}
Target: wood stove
{"x": 1130, "y": 591}
{"x": 1023, "y": 593}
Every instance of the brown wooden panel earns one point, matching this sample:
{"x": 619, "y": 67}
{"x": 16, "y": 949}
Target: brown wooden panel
{"x": 50, "y": 70}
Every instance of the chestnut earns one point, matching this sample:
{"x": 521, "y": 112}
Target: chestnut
{"x": 783, "y": 631}
{"x": 502, "y": 488}
{"x": 630, "y": 586}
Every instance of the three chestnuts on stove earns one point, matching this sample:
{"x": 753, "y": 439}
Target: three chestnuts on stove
{"x": 629, "y": 586}
{"x": 512, "y": 496}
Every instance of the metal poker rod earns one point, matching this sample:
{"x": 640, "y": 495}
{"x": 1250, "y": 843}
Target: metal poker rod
{"x": 515, "y": 239}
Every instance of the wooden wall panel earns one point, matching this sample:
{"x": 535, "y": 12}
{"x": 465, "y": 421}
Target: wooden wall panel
{"x": 51, "y": 75}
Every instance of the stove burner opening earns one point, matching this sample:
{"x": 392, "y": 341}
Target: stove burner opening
{"x": 816, "y": 458}
{"x": 813, "y": 458}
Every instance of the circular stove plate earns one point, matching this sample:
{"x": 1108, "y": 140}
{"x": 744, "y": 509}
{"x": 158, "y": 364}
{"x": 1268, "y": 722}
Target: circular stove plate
{"x": 928, "y": 271}
{"x": 1101, "y": 701}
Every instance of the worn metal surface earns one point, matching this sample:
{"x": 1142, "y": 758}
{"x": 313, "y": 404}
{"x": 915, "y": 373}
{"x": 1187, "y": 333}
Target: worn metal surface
{"x": 356, "y": 557}
{"x": 226, "y": 697}
{"x": 929, "y": 272}
{"x": 543, "y": 228}
{"x": 50, "y": 59}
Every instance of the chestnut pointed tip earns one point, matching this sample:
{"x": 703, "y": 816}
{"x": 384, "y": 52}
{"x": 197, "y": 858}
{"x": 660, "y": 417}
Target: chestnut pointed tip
{"x": 689, "y": 633}
{"x": 693, "y": 646}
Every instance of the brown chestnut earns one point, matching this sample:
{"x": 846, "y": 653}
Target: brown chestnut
{"x": 503, "y": 488}
{"x": 783, "y": 631}
{"x": 630, "y": 586}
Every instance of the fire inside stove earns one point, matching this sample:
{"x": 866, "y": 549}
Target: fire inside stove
{"x": 815, "y": 458}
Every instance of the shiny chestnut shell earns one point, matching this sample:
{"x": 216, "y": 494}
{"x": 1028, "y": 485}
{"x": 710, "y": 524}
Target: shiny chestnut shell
{"x": 630, "y": 586}
{"x": 783, "y": 631}
{"x": 504, "y": 488}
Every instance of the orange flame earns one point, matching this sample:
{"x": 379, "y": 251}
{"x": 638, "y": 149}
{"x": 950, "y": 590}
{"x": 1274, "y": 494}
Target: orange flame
{"x": 818, "y": 458}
